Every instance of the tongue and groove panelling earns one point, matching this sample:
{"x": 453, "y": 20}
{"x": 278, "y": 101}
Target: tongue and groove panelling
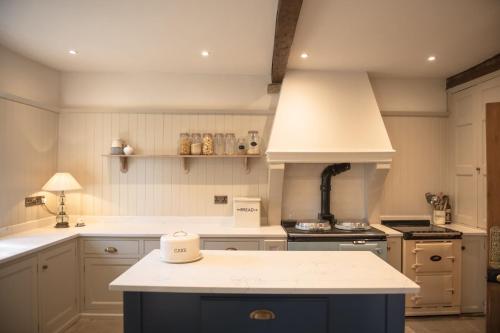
{"x": 155, "y": 186}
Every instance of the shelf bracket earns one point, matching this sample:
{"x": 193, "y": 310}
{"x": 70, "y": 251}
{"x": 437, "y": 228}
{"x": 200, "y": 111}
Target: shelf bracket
{"x": 185, "y": 164}
{"x": 123, "y": 164}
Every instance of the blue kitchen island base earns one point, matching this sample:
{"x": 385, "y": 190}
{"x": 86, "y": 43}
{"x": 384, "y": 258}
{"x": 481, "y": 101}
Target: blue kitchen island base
{"x": 149, "y": 312}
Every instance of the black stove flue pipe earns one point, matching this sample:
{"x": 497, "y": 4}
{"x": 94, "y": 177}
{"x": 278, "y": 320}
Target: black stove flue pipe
{"x": 326, "y": 188}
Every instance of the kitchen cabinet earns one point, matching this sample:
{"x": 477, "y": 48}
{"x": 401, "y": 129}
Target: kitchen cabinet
{"x": 19, "y": 296}
{"x": 468, "y": 135}
{"x": 58, "y": 291}
{"x": 473, "y": 274}
{"x": 394, "y": 252}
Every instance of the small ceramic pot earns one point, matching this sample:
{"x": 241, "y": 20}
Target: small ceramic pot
{"x": 128, "y": 150}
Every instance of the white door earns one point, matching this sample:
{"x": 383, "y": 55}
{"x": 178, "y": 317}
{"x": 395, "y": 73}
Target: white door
{"x": 19, "y": 297}
{"x": 465, "y": 173}
{"x": 58, "y": 286}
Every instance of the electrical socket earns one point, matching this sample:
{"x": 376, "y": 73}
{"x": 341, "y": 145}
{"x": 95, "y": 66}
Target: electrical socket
{"x": 220, "y": 199}
{"x": 34, "y": 201}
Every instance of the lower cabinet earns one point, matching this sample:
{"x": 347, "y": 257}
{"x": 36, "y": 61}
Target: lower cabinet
{"x": 98, "y": 273}
{"x": 473, "y": 274}
{"x": 58, "y": 291}
{"x": 394, "y": 248}
{"x": 19, "y": 296}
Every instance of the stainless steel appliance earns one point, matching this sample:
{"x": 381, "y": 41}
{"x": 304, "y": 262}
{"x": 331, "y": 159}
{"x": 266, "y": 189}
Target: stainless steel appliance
{"x": 431, "y": 258}
{"x": 333, "y": 239}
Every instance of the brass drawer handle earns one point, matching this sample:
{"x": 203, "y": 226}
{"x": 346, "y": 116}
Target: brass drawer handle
{"x": 110, "y": 249}
{"x": 231, "y": 249}
{"x": 44, "y": 267}
{"x": 262, "y": 315}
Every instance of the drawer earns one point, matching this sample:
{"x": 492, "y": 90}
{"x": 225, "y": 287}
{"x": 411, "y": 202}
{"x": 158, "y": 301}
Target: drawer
{"x": 250, "y": 245}
{"x": 111, "y": 247}
{"x": 150, "y": 245}
{"x": 263, "y": 315}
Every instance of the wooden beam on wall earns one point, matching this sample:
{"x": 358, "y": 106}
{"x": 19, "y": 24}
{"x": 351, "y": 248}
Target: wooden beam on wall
{"x": 286, "y": 23}
{"x": 488, "y": 66}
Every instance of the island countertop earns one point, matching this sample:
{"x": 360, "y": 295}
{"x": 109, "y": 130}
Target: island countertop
{"x": 268, "y": 272}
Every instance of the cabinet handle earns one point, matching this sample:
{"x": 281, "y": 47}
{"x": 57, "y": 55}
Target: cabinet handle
{"x": 262, "y": 315}
{"x": 463, "y": 248}
{"x": 478, "y": 169}
{"x": 44, "y": 267}
{"x": 231, "y": 249}
{"x": 110, "y": 249}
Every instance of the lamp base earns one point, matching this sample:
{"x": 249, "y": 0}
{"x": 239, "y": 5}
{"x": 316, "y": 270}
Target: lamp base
{"x": 62, "y": 225}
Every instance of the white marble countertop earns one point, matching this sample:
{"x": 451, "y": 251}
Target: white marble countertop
{"x": 388, "y": 231}
{"x": 268, "y": 272}
{"x": 466, "y": 230}
{"x": 19, "y": 244}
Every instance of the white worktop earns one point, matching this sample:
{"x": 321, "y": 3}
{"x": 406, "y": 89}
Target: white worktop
{"x": 466, "y": 230}
{"x": 388, "y": 231}
{"x": 15, "y": 245}
{"x": 268, "y": 272}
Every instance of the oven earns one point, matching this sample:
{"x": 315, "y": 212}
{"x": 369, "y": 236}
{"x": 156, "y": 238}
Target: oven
{"x": 379, "y": 247}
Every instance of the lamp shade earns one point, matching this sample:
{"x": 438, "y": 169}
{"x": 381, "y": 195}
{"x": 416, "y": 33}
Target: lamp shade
{"x": 61, "y": 181}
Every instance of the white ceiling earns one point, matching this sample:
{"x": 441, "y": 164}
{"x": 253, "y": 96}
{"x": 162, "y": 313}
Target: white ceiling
{"x": 383, "y": 37}
{"x": 138, "y": 35}
{"x": 395, "y": 37}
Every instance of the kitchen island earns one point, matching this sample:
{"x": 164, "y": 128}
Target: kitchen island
{"x": 265, "y": 291}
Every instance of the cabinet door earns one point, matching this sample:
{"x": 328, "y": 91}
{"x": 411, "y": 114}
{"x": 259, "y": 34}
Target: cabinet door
{"x": 19, "y": 300}
{"x": 58, "y": 286}
{"x": 473, "y": 274}
{"x": 394, "y": 252}
{"x": 465, "y": 174}
{"x": 98, "y": 273}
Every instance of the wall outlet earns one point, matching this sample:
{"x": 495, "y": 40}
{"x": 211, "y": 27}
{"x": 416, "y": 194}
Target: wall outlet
{"x": 220, "y": 199}
{"x": 34, "y": 201}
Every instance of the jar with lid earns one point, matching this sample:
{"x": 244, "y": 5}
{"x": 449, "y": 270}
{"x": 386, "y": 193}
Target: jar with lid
{"x": 208, "y": 144}
{"x": 184, "y": 144}
{"x": 230, "y": 144}
{"x": 196, "y": 144}
{"x": 253, "y": 141}
{"x": 241, "y": 146}
{"x": 219, "y": 144}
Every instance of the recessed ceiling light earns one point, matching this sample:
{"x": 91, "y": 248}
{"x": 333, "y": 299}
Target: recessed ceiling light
{"x": 205, "y": 53}
{"x": 304, "y": 55}
{"x": 431, "y": 58}
{"x": 73, "y": 52}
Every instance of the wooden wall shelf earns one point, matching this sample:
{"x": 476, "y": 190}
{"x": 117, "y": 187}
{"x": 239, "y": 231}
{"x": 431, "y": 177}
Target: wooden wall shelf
{"x": 185, "y": 159}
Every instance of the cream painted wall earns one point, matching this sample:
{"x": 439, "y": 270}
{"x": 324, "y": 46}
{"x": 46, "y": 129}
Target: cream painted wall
{"x": 28, "y": 142}
{"x": 166, "y": 91}
{"x": 27, "y": 79}
{"x": 410, "y": 94}
{"x": 155, "y": 186}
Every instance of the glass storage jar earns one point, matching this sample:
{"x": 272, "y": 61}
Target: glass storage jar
{"x": 253, "y": 141}
{"x": 208, "y": 144}
{"x": 230, "y": 144}
{"x": 196, "y": 144}
{"x": 219, "y": 144}
{"x": 184, "y": 144}
{"x": 241, "y": 146}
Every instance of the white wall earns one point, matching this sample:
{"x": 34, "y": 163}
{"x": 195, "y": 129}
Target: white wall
{"x": 155, "y": 186}
{"x": 27, "y": 79}
{"x": 28, "y": 135}
{"x": 410, "y": 94}
{"x": 166, "y": 91}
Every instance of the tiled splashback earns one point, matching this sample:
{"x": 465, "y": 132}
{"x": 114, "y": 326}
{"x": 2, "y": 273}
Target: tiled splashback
{"x": 155, "y": 186}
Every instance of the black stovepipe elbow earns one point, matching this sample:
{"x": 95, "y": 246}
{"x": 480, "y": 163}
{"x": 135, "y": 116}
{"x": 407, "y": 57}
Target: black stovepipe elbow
{"x": 326, "y": 187}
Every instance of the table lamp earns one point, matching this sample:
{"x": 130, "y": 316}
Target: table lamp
{"x": 60, "y": 182}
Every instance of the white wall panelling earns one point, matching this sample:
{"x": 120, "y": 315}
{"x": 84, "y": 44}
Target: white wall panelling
{"x": 418, "y": 166}
{"x": 155, "y": 186}
{"x": 28, "y": 142}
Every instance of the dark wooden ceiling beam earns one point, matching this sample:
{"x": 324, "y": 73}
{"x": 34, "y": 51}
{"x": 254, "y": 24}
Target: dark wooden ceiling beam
{"x": 286, "y": 23}
{"x": 488, "y": 66}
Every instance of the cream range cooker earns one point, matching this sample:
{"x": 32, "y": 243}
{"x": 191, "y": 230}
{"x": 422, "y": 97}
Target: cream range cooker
{"x": 432, "y": 258}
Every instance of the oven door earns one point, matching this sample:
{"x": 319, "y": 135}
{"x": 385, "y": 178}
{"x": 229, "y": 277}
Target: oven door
{"x": 379, "y": 248}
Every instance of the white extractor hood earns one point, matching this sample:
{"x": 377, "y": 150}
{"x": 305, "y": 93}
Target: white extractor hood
{"x": 328, "y": 117}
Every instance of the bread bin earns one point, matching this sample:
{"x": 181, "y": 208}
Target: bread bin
{"x": 180, "y": 247}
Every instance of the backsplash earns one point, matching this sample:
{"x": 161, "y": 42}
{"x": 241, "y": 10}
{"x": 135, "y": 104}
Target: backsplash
{"x": 156, "y": 186}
